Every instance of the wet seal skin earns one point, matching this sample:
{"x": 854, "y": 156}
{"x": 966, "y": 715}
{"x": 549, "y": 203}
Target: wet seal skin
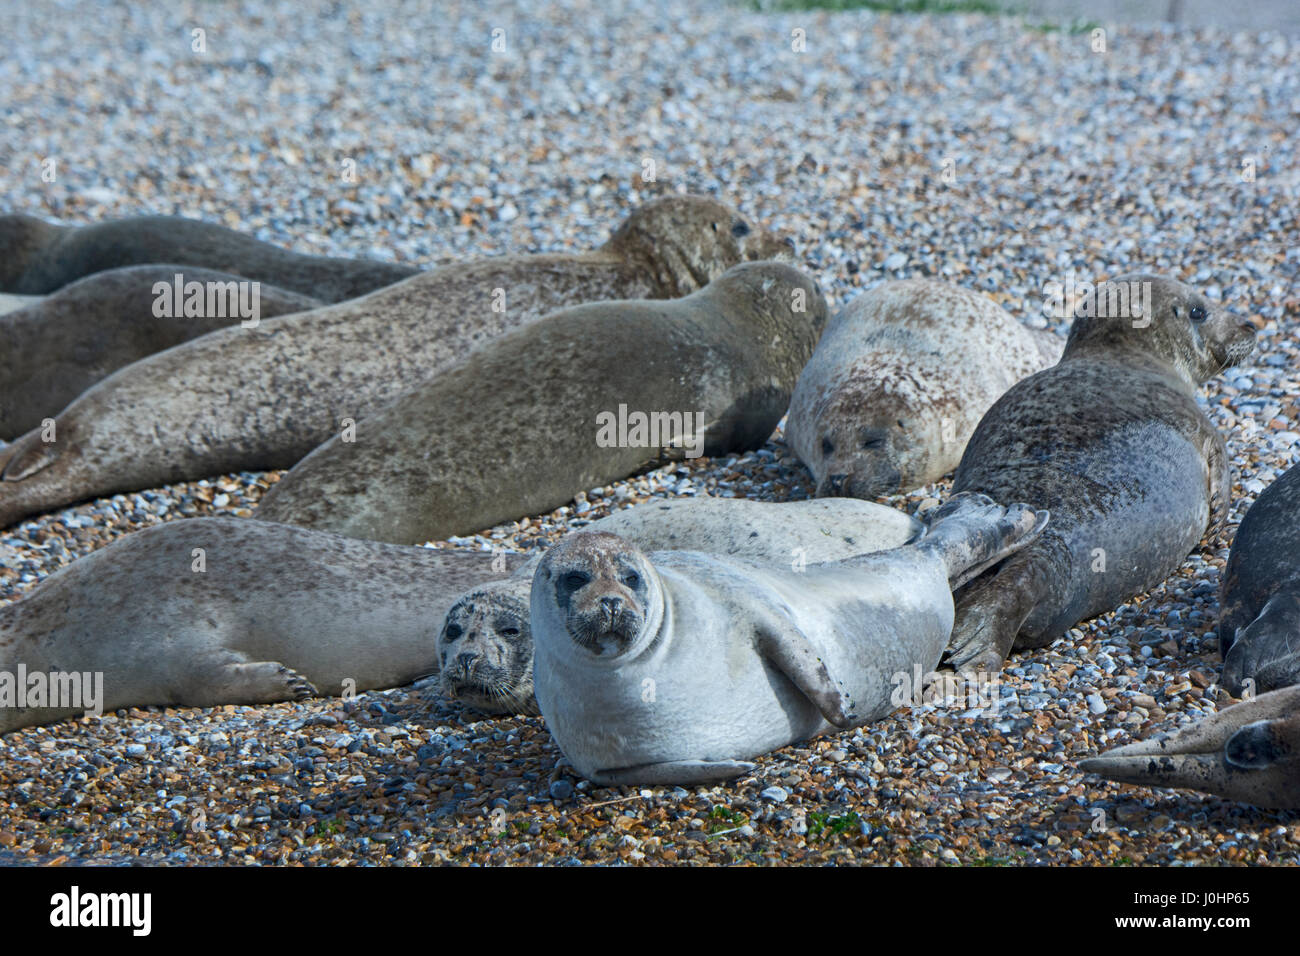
{"x": 243, "y": 399}
{"x": 513, "y": 430}
{"x": 485, "y": 647}
{"x": 1112, "y": 442}
{"x": 210, "y": 611}
{"x": 680, "y": 667}
{"x": 899, "y": 382}
{"x": 1259, "y": 599}
{"x": 1249, "y": 752}
{"x": 57, "y": 346}
{"x": 40, "y": 257}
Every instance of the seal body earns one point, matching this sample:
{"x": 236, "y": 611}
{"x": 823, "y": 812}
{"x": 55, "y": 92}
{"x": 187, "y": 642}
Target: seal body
{"x": 55, "y": 348}
{"x": 899, "y": 382}
{"x": 1259, "y": 600}
{"x": 678, "y": 667}
{"x": 212, "y": 611}
{"x": 41, "y": 257}
{"x": 1112, "y": 442}
{"x": 242, "y": 399}
{"x": 1249, "y": 752}
{"x": 516, "y": 429}
{"x": 485, "y": 647}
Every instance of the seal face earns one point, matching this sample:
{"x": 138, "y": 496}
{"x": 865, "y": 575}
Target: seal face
{"x": 1259, "y": 601}
{"x": 451, "y": 457}
{"x": 786, "y": 534}
{"x": 680, "y": 666}
{"x": 242, "y": 399}
{"x": 1112, "y": 442}
{"x": 1249, "y": 752}
{"x": 899, "y": 382}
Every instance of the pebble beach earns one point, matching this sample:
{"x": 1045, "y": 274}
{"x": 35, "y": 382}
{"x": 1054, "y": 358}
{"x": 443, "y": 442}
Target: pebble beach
{"x": 989, "y": 151}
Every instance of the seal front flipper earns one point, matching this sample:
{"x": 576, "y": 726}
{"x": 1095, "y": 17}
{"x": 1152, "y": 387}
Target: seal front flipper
{"x": 789, "y": 651}
{"x": 674, "y": 771}
{"x": 246, "y": 682}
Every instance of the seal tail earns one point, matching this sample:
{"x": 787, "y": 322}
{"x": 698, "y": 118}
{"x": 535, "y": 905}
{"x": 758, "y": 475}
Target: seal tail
{"x": 1249, "y": 752}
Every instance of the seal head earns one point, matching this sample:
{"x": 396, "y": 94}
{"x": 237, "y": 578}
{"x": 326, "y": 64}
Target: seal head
{"x": 685, "y": 242}
{"x": 485, "y": 650}
{"x": 24, "y": 239}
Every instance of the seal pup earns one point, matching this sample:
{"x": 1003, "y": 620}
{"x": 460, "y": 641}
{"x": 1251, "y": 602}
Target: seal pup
{"x": 525, "y": 423}
{"x": 679, "y": 667}
{"x": 1112, "y": 442}
{"x": 899, "y": 382}
{"x": 485, "y": 647}
{"x": 1249, "y": 752}
{"x": 58, "y": 346}
{"x": 39, "y": 257}
{"x": 210, "y": 611}
{"x": 242, "y": 399}
{"x": 1259, "y": 599}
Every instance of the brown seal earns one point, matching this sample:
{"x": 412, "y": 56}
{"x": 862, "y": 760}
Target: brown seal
{"x": 38, "y": 257}
{"x": 1112, "y": 443}
{"x": 57, "y": 347}
{"x": 242, "y": 399}
{"x": 516, "y": 429}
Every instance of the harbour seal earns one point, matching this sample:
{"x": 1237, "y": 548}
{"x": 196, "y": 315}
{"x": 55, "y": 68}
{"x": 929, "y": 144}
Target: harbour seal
{"x": 242, "y": 399}
{"x": 485, "y": 647}
{"x": 57, "y": 347}
{"x": 525, "y": 423}
{"x": 1249, "y": 752}
{"x": 39, "y": 257}
{"x": 679, "y": 667}
{"x": 899, "y": 382}
{"x": 210, "y": 611}
{"x": 1112, "y": 442}
{"x": 1259, "y": 599}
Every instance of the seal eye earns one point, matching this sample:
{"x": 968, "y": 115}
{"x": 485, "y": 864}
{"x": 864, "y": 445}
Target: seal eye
{"x": 740, "y": 229}
{"x": 573, "y": 580}
{"x": 453, "y": 631}
{"x": 714, "y": 225}
{"x": 827, "y": 447}
{"x": 875, "y": 442}
{"x": 1197, "y": 314}
{"x": 632, "y": 579}
{"x": 510, "y": 632}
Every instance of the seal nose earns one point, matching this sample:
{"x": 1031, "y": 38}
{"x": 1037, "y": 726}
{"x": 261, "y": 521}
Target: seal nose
{"x": 612, "y": 605}
{"x": 464, "y": 664}
{"x": 835, "y": 484}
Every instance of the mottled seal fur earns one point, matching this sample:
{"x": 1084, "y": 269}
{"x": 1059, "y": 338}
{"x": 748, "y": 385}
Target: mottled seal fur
{"x": 1249, "y": 752}
{"x": 899, "y": 382}
{"x": 485, "y": 647}
{"x": 38, "y": 257}
{"x": 277, "y": 613}
{"x": 1259, "y": 600}
{"x": 241, "y": 399}
{"x": 680, "y": 667}
{"x": 1112, "y": 442}
{"x": 55, "y": 348}
{"x": 514, "y": 429}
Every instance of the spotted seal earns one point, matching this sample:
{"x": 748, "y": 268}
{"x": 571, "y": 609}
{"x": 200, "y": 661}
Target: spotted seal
{"x": 899, "y": 382}
{"x": 1112, "y": 442}
{"x": 484, "y": 443}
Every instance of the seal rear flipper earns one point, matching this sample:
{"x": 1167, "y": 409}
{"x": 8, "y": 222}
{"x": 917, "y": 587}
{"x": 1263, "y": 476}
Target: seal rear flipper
{"x": 788, "y": 651}
{"x": 247, "y": 682}
{"x": 27, "y": 456}
{"x": 672, "y": 772}
{"x": 990, "y": 614}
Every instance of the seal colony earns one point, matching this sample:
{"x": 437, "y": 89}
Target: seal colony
{"x": 59, "y": 345}
{"x": 42, "y": 257}
{"x": 900, "y": 380}
{"x": 258, "y": 398}
{"x": 485, "y": 647}
{"x": 678, "y": 667}
{"x": 1112, "y": 442}
{"x": 462, "y": 453}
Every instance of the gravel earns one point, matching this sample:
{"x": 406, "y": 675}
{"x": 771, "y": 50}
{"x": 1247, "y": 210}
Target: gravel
{"x": 965, "y": 147}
